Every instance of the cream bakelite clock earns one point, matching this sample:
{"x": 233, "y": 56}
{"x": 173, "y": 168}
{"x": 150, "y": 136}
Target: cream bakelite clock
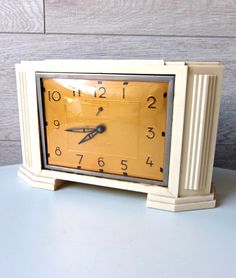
{"x": 146, "y": 126}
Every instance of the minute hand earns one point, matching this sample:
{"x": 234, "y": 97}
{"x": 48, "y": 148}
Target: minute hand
{"x": 81, "y": 129}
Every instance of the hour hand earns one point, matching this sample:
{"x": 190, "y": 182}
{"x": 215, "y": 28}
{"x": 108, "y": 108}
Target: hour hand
{"x": 81, "y": 129}
{"x": 88, "y": 137}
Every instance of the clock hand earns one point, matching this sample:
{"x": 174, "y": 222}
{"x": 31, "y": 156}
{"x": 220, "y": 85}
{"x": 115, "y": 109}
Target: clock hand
{"x": 100, "y": 109}
{"x": 98, "y": 129}
{"x": 81, "y": 129}
{"x": 88, "y": 137}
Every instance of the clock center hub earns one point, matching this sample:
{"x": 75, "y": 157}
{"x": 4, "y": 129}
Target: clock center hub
{"x": 100, "y": 128}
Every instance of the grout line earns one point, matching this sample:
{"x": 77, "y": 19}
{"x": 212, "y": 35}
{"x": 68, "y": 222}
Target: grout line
{"x": 10, "y": 140}
{"x": 117, "y": 35}
{"x": 225, "y": 144}
{"x": 141, "y": 35}
{"x": 44, "y": 17}
{"x": 22, "y": 33}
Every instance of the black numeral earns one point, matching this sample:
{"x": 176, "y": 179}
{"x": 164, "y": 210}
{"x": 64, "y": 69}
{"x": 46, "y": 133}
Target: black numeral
{"x": 76, "y": 93}
{"x": 152, "y": 101}
{"x": 149, "y": 161}
{"x": 55, "y": 96}
{"x": 101, "y": 162}
{"x": 58, "y": 151}
{"x": 124, "y": 83}
{"x": 56, "y": 123}
{"x": 150, "y": 133}
{"x": 102, "y": 92}
{"x": 124, "y": 165}
{"x": 80, "y": 157}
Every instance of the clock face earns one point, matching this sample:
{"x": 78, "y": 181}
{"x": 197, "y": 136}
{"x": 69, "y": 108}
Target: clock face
{"x": 114, "y": 126}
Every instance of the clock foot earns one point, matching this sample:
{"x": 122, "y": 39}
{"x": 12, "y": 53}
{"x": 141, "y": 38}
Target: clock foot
{"x": 38, "y": 181}
{"x": 181, "y": 203}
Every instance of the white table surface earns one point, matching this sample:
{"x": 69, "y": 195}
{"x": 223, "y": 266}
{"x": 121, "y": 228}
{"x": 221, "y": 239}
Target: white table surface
{"x": 87, "y": 231}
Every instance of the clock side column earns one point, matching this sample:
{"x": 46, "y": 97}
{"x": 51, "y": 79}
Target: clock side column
{"x": 195, "y": 187}
{"x": 31, "y": 169}
{"x": 201, "y": 121}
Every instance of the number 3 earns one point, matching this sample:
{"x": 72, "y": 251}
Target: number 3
{"x": 150, "y": 133}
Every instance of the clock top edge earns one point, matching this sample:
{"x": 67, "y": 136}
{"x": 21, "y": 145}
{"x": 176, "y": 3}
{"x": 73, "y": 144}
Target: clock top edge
{"x": 123, "y": 61}
{"x": 116, "y": 66}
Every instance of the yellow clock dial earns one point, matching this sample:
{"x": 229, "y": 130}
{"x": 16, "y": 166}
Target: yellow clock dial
{"x": 106, "y": 126}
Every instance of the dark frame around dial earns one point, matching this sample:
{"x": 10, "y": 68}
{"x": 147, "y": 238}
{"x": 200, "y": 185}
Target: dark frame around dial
{"x": 106, "y": 76}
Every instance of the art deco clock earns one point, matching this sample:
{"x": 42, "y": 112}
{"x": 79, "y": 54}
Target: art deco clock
{"x": 146, "y": 126}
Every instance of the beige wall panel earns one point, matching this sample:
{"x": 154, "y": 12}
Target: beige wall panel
{"x": 149, "y": 17}
{"x": 21, "y": 16}
{"x": 10, "y": 152}
{"x": 17, "y": 47}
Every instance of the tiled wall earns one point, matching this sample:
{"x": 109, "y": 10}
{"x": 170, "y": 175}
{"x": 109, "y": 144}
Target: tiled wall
{"x": 125, "y": 29}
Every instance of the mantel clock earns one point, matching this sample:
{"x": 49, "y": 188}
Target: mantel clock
{"x": 141, "y": 125}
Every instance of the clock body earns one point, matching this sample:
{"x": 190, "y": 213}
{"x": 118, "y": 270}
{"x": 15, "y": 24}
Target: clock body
{"x": 146, "y": 126}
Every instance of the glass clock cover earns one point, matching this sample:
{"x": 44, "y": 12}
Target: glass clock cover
{"x": 106, "y": 125}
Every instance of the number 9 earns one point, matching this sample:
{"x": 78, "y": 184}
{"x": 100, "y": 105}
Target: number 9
{"x": 56, "y": 123}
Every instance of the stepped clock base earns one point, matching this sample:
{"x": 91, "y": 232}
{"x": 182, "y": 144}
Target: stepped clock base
{"x": 38, "y": 181}
{"x": 153, "y": 200}
{"x": 181, "y": 203}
